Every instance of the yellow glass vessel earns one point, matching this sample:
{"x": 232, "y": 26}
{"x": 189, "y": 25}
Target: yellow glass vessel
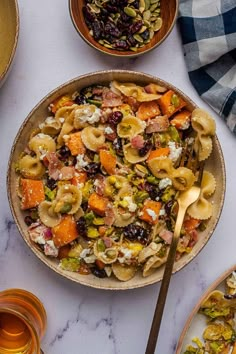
{"x": 22, "y": 322}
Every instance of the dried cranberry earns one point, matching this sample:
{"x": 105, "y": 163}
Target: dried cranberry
{"x": 131, "y": 40}
{"x": 136, "y": 233}
{"x": 81, "y": 227}
{"x": 104, "y": 14}
{"x": 144, "y": 150}
{"x": 64, "y": 153}
{"x": 117, "y": 145}
{"x": 152, "y": 190}
{"x": 115, "y": 117}
{"x": 97, "y": 29}
{"x": 84, "y": 206}
{"x": 80, "y": 99}
{"x": 92, "y": 169}
{"x": 135, "y": 4}
{"x": 29, "y": 220}
{"x": 51, "y": 183}
{"x": 111, "y": 29}
{"x": 99, "y": 273}
{"x": 121, "y": 44}
{"x": 145, "y": 35}
{"x": 88, "y": 15}
{"x": 111, "y": 8}
{"x": 111, "y": 136}
{"x": 135, "y": 27}
{"x": 168, "y": 206}
{"x": 123, "y": 17}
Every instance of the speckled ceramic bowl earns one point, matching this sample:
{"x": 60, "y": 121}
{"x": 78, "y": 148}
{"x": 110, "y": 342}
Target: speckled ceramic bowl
{"x": 215, "y": 164}
{"x": 196, "y": 323}
{"x": 9, "y": 32}
{"x": 169, "y": 12}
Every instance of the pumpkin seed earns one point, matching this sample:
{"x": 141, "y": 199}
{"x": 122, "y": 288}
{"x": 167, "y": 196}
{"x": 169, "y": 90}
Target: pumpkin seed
{"x": 108, "y": 45}
{"x": 101, "y": 41}
{"x": 154, "y": 2}
{"x": 147, "y": 41}
{"x": 94, "y": 8}
{"x": 157, "y": 11}
{"x": 147, "y": 4}
{"x": 143, "y": 28}
{"x": 153, "y": 18}
{"x": 146, "y": 15}
{"x": 157, "y": 24}
{"x": 153, "y": 7}
{"x": 146, "y": 23}
{"x": 130, "y": 12}
{"x": 141, "y": 6}
{"x": 175, "y": 100}
{"x": 134, "y": 49}
{"x": 138, "y": 38}
{"x": 151, "y": 33}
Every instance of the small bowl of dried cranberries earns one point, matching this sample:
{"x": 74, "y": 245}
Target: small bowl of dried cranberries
{"x": 124, "y": 28}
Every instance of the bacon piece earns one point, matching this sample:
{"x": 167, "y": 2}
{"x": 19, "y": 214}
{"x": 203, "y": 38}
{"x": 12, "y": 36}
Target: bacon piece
{"x": 158, "y": 124}
{"x": 132, "y": 102}
{"x": 109, "y": 215}
{"x": 54, "y": 165}
{"x": 194, "y": 238}
{"x": 166, "y": 235}
{"x": 137, "y": 142}
{"x": 111, "y": 99}
{"x": 38, "y": 233}
{"x": 107, "y": 241}
{"x": 99, "y": 185}
{"x": 67, "y": 172}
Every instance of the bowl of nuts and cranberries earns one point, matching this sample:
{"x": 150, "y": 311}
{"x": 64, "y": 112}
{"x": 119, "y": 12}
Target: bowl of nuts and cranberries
{"x": 123, "y": 28}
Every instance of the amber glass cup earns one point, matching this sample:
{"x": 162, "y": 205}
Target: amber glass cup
{"x": 22, "y": 322}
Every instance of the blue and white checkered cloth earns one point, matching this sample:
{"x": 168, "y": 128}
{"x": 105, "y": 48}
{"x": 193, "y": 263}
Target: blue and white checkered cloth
{"x": 208, "y": 30}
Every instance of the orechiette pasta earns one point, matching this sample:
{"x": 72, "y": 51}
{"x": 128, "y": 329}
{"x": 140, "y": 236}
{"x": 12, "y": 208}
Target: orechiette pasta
{"x": 99, "y": 178}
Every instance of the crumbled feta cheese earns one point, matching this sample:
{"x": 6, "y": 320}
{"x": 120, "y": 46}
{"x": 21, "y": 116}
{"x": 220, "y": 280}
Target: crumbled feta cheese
{"x": 50, "y": 120}
{"x": 61, "y": 120}
{"x": 40, "y": 240}
{"x": 50, "y": 249}
{"x": 90, "y": 259}
{"x": 96, "y": 183}
{"x": 108, "y": 130}
{"x": 174, "y": 151}
{"x": 152, "y": 214}
{"x": 66, "y": 137}
{"x": 126, "y": 255}
{"x": 131, "y": 205}
{"x": 80, "y": 162}
{"x": 165, "y": 182}
{"x": 89, "y": 114}
{"x": 85, "y": 252}
{"x": 157, "y": 198}
{"x": 42, "y": 152}
{"x": 190, "y": 140}
{"x": 162, "y": 212}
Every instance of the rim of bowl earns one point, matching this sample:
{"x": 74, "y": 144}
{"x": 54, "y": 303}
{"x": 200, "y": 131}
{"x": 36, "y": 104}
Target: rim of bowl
{"x": 10, "y": 61}
{"x": 39, "y": 254}
{"x": 127, "y": 55}
{"x": 196, "y": 307}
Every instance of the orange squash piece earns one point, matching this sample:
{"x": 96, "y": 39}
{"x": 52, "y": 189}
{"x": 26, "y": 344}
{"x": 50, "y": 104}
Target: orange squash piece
{"x": 32, "y": 193}
{"x": 98, "y": 204}
{"x": 75, "y": 144}
{"x": 191, "y": 224}
{"x": 234, "y": 349}
{"x": 80, "y": 177}
{"x": 59, "y": 102}
{"x": 150, "y": 211}
{"x": 148, "y": 110}
{"x": 65, "y": 232}
{"x": 170, "y": 103}
{"x": 108, "y": 161}
{"x": 158, "y": 152}
{"x": 181, "y": 120}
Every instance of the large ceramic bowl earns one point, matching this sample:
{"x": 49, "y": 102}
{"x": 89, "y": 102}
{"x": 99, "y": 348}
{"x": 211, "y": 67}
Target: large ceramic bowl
{"x": 169, "y": 12}
{"x": 215, "y": 164}
{"x": 9, "y": 31}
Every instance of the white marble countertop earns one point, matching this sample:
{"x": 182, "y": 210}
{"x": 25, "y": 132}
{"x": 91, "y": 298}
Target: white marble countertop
{"x": 80, "y": 319}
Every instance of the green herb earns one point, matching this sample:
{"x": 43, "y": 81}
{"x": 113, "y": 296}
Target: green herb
{"x": 50, "y": 194}
{"x": 101, "y": 245}
{"x": 66, "y": 208}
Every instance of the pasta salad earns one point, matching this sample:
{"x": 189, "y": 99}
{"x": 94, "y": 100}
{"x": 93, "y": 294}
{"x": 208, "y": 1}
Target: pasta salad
{"x": 99, "y": 177}
{"x": 219, "y": 335}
